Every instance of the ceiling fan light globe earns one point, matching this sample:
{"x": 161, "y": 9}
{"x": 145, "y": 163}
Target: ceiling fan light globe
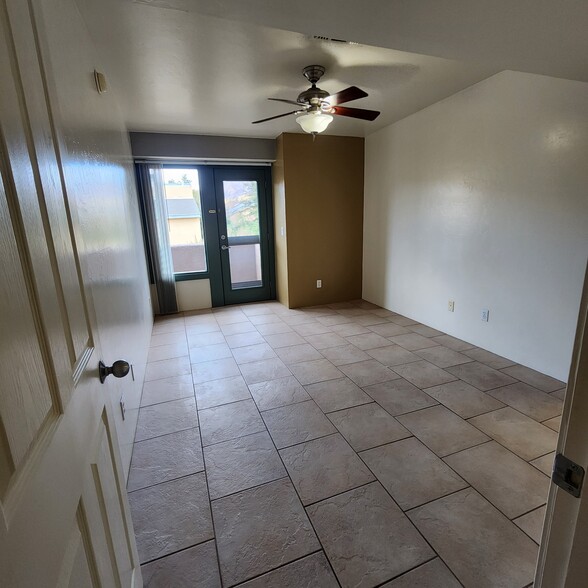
{"x": 314, "y": 122}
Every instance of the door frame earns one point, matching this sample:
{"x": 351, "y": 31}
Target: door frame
{"x": 266, "y": 223}
{"x": 211, "y": 228}
{"x": 562, "y": 558}
{"x": 211, "y": 222}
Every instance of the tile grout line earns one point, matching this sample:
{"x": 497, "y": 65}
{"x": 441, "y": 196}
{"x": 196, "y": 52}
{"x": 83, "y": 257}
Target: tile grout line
{"x": 407, "y": 517}
{"x": 304, "y": 509}
{"x": 529, "y": 512}
{"x": 489, "y": 440}
{"x": 165, "y": 481}
{"x": 470, "y": 487}
{"x": 277, "y": 568}
{"x": 466, "y": 420}
{"x": 468, "y": 484}
{"x": 249, "y": 488}
{"x": 376, "y": 480}
{"x": 436, "y": 556}
{"x": 417, "y": 410}
{"x": 242, "y": 490}
{"x": 169, "y": 433}
{"x": 351, "y": 321}
{"x": 155, "y": 559}
{"x": 218, "y": 561}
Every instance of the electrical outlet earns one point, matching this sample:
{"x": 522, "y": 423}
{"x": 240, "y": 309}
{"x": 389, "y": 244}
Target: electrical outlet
{"x": 485, "y": 314}
{"x": 319, "y": 283}
{"x": 451, "y": 305}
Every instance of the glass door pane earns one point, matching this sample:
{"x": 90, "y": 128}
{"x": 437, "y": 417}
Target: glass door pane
{"x": 241, "y": 201}
{"x": 184, "y": 219}
{"x": 245, "y": 233}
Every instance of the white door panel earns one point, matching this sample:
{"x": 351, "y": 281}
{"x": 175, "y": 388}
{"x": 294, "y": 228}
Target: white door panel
{"x": 26, "y": 388}
{"x": 77, "y": 568}
{"x": 37, "y": 133}
{"x": 33, "y": 348}
{"x": 64, "y": 516}
{"x": 111, "y": 494}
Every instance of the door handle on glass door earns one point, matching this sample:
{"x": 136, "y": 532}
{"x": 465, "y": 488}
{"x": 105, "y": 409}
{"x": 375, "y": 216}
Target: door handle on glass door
{"x": 225, "y": 247}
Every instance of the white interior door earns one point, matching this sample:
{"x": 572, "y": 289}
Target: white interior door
{"x": 63, "y": 506}
{"x": 563, "y": 560}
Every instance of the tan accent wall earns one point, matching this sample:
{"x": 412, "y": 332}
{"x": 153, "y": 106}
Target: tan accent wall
{"x": 281, "y": 245}
{"x": 323, "y": 195}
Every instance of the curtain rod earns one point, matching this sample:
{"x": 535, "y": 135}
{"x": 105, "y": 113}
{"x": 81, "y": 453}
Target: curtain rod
{"x": 201, "y": 161}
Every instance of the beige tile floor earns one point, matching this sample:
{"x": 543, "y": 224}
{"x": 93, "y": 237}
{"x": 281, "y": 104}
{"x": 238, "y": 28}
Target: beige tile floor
{"x": 342, "y": 445}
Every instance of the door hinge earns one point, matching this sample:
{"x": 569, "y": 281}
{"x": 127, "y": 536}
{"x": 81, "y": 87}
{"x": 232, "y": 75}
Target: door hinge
{"x": 568, "y": 475}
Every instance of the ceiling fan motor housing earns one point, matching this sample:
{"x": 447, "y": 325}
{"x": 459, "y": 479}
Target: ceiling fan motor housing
{"x": 313, "y": 96}
{"x": 313, "y": 73}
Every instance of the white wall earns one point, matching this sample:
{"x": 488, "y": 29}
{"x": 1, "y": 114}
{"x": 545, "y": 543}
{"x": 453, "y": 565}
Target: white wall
{"x": 193, "y": 295}
{"x": 483, "y": 198}
{"x": 100, "y": 181}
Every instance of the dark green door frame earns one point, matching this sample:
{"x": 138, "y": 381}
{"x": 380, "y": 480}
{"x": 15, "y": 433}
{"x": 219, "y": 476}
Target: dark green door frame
{"x": 214, "y": 224}
{"x": 262, "y": 176}
{"x": 211, "y": 234}
{"x": 213, "y": 220}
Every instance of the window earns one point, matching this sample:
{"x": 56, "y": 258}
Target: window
{"x": 184, "y": 219}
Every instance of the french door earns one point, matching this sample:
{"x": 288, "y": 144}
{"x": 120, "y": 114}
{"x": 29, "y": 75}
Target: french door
{"x": 220, "y": 228}
{"x": 244, "y": 237}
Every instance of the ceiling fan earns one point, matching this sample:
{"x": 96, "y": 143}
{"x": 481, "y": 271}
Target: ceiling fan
{"x": 316, "y": 107}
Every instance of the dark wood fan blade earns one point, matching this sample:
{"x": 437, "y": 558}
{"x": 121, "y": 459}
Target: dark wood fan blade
{"x": 272, "y": 117}
{"x": 361, "y": 113}
{"x": 347, "y": 95}
{"x": 301, "y": 104}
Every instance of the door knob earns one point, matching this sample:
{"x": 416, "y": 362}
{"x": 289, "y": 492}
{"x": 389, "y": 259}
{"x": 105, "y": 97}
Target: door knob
{"x": 119, "y": 369}
{"x": 225, "y": 247}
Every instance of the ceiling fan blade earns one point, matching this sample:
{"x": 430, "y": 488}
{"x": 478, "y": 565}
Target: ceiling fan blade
{"x": 361, "y": 113}
{"x": 347, "y": 95}
{"x": 301, "y": 104}
{"x": 272, "y": 117}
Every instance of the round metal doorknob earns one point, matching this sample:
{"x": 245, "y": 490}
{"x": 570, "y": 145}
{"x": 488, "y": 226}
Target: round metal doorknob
{"x": 119, "y": 369}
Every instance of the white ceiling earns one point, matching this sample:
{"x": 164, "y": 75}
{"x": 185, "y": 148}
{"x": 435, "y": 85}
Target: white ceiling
{"x": 182, "y": 66}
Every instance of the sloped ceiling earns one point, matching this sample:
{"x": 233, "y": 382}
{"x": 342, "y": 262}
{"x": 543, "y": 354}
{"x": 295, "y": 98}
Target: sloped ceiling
{"x": 208, "y": 67}
{"x": 537, "y": 36}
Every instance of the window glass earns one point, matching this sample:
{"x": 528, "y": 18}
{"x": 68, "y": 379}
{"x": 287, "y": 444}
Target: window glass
{"x": 242, "y": 210}
{"x": 184, "y": 213}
